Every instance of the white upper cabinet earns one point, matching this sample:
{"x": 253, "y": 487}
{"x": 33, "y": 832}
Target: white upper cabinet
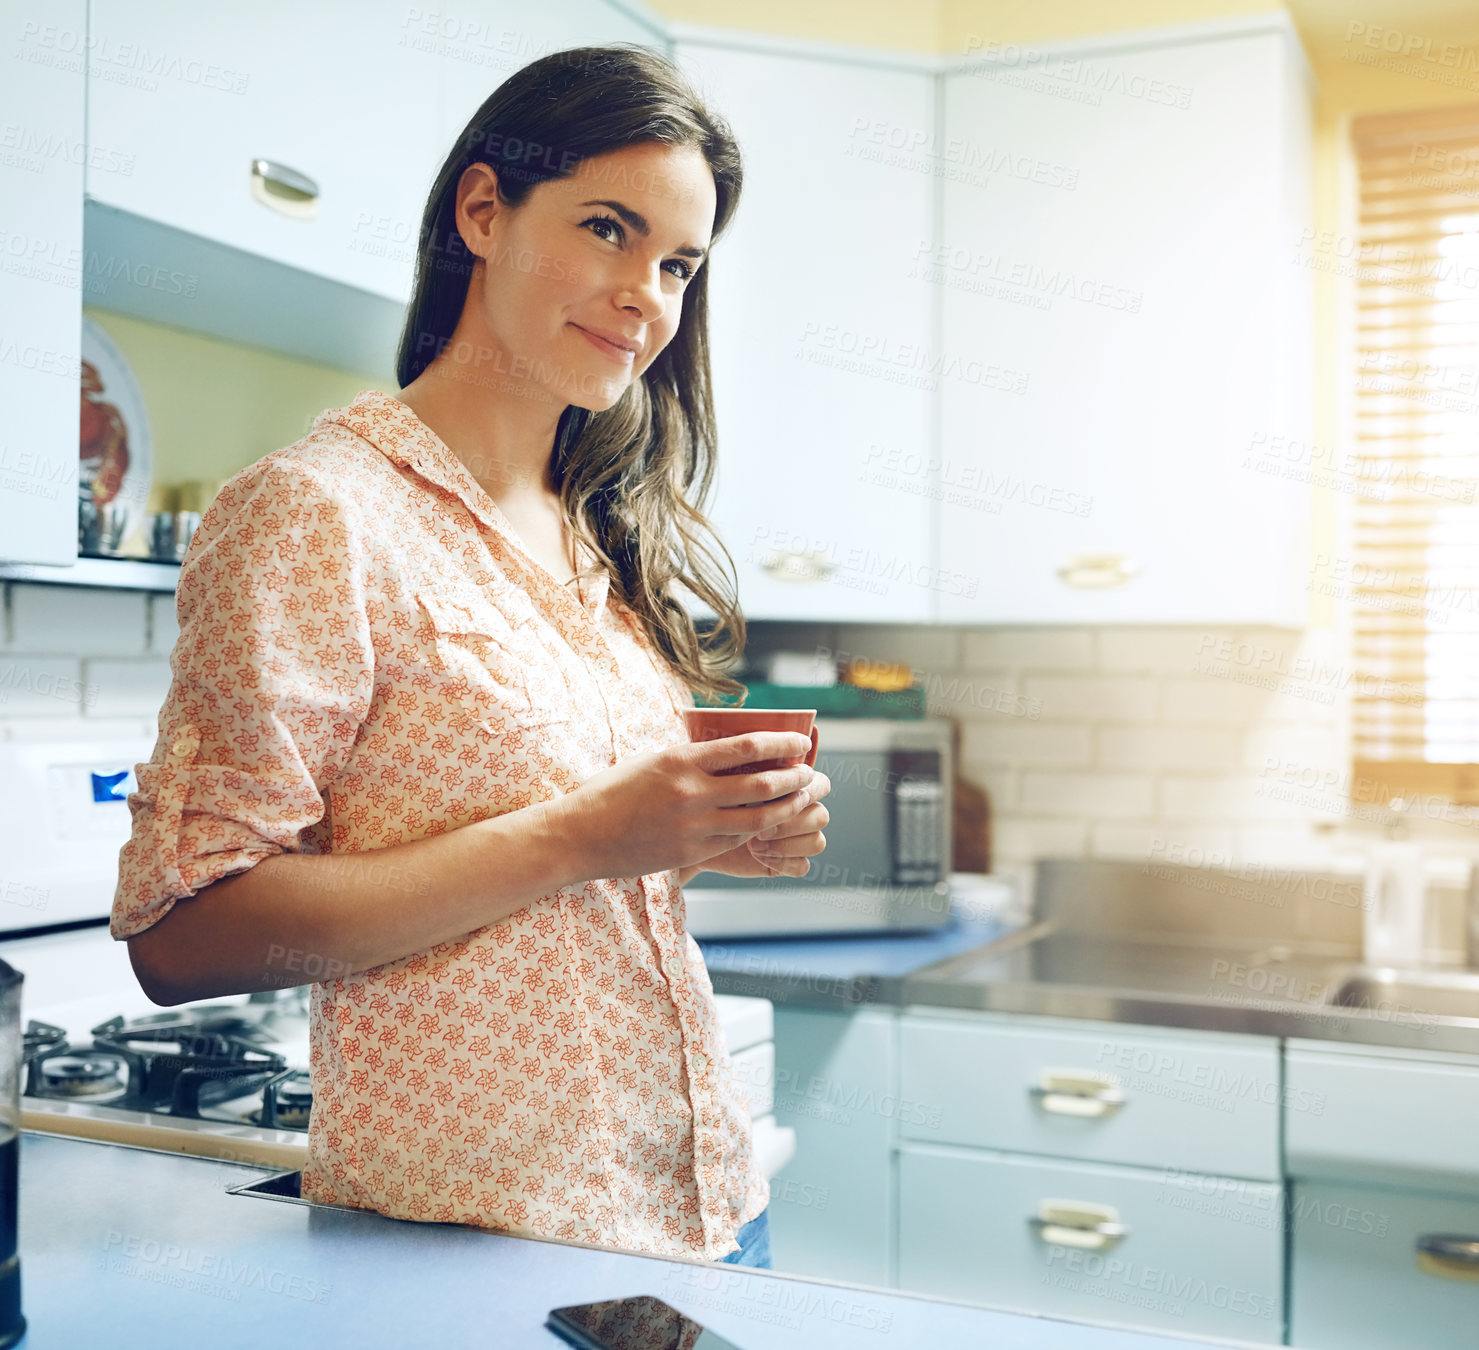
{"x": 41, "y": 103}
{"x": 820, "y": 336}
{"x": 1137, "y": 264}
{"x": 343, "y": 96}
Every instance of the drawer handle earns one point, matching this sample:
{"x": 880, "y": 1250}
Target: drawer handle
{"x": 285, "y": 190}
{"x": 1448, "y": 1256}
{"x": 1077, "y": 1223}
{"x": 798, "y": 565}
{"x": 1075, "y": 1092}
{"x": 1095, "y": 571}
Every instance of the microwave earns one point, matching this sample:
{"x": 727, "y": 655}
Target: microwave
{"x": 889, "y": 840}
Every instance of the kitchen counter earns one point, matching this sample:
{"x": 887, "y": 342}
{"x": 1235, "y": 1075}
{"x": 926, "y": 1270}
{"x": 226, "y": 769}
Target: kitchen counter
{"x": 1261, "y": 989}
{"x": 135, "y": 1248}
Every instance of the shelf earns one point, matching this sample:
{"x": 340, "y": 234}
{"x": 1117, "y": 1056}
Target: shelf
{"x": 226, "y": 293}
{"x": 124, "y": 574}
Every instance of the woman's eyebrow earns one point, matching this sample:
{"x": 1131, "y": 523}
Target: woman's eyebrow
{"x": 639, "y": 223}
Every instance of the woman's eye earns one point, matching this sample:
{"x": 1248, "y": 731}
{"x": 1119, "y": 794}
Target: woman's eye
{"x": 610, "y": 229}
{"x": 603, "y": 224}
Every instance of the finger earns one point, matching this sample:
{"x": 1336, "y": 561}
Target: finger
{"x": 806, "y": 821}
{"x": 752, "y": 747}
{"x": 819, "y": 786}
{"x": 795, "y": 846}
{"x": 766, "y": 786}
{"x": 750, "y": 819}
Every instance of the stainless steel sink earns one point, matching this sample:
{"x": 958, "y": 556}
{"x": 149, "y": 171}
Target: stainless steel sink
{"x": 1419, "y": 993}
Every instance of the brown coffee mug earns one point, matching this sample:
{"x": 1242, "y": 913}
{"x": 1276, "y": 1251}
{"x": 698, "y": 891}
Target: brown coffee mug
{"x": 714, "y": 724}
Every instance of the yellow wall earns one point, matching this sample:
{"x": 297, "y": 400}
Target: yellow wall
{"x": 215, "y": 406}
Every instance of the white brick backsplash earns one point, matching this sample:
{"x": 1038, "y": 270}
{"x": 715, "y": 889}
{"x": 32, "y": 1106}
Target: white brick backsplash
{"x": 1231, "y": 702}
{"x": 1104, "y": 796}
{"x": 128, "y": 688}
{"x": 988, "y": 695}
{"x": 1250, "y": 798}
{"x": 1322, "y": 747}
{"x": 1156, "y": 651}
{"x": 42, "y": 686}
{"x": 1000, "y": 785}
{"x": 164, "y": 628}
{"x": 1153, "y": 747}
{"x": 1286, "y": 845}
{"x": 76, "y": 621}
{"x": 1019, "y": 839}
{"x": 1035, "y": 744}
{"x": 1108, "y": 698}
{"x": 1029, "y": 649}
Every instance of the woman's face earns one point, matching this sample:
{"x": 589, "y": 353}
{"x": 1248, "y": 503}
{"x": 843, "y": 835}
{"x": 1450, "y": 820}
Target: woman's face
{"x": 582, "y": 285}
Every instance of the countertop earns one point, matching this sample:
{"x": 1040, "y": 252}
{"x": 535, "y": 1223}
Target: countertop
{"x": 133, "y": 1248}
{"x": 1240, "y": 987}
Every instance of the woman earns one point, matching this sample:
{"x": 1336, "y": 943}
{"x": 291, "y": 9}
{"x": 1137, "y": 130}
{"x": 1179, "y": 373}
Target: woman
{"x": 424, "y": 737}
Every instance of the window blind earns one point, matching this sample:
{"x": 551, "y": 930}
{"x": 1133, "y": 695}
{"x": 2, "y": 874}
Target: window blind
{"x": 1413, "y": 579}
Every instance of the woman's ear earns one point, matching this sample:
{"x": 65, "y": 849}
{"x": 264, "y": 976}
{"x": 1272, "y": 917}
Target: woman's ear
{"x": 478, "y": 208}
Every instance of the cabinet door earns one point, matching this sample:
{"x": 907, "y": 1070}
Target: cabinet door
{"x": 1135, "y": 266}
{"x": 831, "y": 1206}
{"x": 41, "y": 131}
{"x": 1199, "y": 1255}
{"x": 820, "y": 338}
{"x": 197, "y": 94}
{"x": 1198, "y": 1101}
{"x": 1361, "y": 1279}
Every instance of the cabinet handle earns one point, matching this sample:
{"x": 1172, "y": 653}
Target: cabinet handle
{"x": 1078, "y": 1223}
{"x": 285, "y": 190}
{"x": 1076, "y": 1092}
{"x": 798, "y": 565}
{"x": 1095, "y": 571}
{"x": 1449, "y": 1256}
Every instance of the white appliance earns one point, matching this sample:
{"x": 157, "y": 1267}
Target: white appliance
{"x": 63, "y": 818}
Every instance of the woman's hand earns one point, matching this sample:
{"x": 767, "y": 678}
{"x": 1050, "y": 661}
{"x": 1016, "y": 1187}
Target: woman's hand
{"x": 673, "y": 808}
{"x": 782, "y": 850}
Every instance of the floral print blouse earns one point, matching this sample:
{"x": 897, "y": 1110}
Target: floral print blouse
{"x": 368, "y": 655}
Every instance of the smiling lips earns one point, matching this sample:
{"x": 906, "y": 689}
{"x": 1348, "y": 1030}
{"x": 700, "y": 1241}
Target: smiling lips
{"x": 615, "y": 345}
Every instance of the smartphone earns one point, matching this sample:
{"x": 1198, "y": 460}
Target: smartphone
{"x": 639, "y": 1323}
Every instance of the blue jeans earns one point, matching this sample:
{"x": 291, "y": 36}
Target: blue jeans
{"x": 754, "y": 1241}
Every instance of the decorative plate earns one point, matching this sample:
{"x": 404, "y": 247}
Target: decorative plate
{"x": 116, "y": 462}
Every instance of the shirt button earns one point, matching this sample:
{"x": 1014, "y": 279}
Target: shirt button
{"x": 700, "y": 1061}
{"x": 674, "y": 968}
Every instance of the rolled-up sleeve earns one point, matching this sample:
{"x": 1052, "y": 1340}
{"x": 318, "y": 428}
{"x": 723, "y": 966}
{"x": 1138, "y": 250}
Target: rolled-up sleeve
{"x": 273, "y": 675}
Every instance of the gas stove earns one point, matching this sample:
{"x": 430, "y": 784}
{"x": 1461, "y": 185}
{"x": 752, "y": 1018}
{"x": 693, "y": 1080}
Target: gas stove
{"x": 219, "y": 1062}
{"x": 221, "y": 1079}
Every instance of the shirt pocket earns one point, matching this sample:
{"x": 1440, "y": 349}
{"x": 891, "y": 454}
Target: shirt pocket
{"x": 494, "y": 666}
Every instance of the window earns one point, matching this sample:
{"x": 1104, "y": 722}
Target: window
{"x": 1414, "y": 575}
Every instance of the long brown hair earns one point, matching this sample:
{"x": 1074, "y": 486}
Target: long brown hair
{"x": 633, "y": 480}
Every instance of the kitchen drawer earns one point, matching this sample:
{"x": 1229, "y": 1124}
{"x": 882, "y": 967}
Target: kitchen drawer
{"x": 1198, "y": 1101}
{"x": 1357, "y": 1280}
{"x": 1383, "y": 1117}
{"x": 1197, "y": 1255}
